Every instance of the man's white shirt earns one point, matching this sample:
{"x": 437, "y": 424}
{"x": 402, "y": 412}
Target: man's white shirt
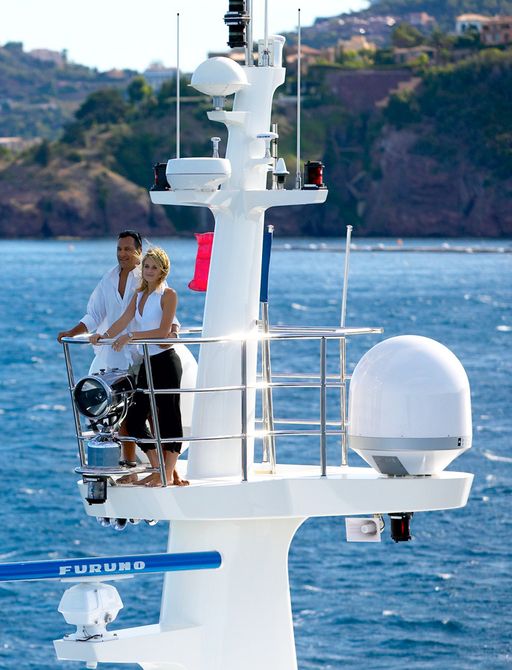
{"x": 105, "y": 306}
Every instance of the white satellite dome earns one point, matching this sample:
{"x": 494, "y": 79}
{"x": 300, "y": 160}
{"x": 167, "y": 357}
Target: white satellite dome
{"x": 409, "y": 407}
{"x": 219, "y": 76}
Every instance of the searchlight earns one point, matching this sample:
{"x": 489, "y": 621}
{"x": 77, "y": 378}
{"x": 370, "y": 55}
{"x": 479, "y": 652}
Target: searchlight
{"x": 104, "y": 400}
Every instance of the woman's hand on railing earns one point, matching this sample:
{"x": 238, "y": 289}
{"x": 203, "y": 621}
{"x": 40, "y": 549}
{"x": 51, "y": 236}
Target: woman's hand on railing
{"x": 121, "y": 341}
{"x": 95, "y": 338}
{"x": 173, "y": 334}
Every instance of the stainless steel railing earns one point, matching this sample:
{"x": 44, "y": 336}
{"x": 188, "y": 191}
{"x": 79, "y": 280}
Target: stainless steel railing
{"x": 318, "y": 427}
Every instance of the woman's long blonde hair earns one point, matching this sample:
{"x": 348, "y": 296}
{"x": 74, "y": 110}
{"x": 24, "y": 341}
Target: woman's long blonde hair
{"x": 162, "y": 259}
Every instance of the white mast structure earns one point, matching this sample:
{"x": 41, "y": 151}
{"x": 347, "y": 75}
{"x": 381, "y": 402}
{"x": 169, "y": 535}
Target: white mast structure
{"x": 240, "y": 615}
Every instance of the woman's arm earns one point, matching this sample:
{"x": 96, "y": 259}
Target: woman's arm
{"x": 119, "y": 325}
{"x": 169, "y": 302}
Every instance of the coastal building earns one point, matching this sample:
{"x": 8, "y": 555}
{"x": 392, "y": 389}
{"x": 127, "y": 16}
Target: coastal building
{"x": 470, "y": 22}
{"x": 49, "y": 56}
{"x": 238, "y": 55}
{"x": 356, "y": 43}
{"x": 493, "y": 30}
{"x": 406, "y": 55}
{"x": 309, "y": 56}
{"x": 496, "y": 31}
{"x": 115, "y": 74}
{"x": 156, "y": 74}
{"x": 421, "y": 20}
{"x": 16, "y": 144}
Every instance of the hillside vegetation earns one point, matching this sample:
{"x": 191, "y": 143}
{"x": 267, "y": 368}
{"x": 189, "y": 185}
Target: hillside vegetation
{"x": 38, "y": 97}
{"x": 418, "y": 150}
{"x": 444, "y": 11}
{"x": 465, "y": 109}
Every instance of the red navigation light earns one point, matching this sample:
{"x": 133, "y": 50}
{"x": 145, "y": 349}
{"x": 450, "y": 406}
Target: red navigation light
{"x": 314, "y": 174}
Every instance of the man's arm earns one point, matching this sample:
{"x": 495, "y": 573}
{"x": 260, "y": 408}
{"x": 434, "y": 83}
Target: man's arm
{"x": 96, "y": 311}
{"x": 76, "y": 330}
{"x": 96, "y": 308}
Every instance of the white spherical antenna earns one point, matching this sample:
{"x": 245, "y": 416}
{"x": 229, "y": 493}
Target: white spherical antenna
{"x": 218, "y": 77}
{"x": 409, "y": 406}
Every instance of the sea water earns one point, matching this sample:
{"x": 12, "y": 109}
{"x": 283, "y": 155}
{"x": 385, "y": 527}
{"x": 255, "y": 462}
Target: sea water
{"x": 442, "y": 601}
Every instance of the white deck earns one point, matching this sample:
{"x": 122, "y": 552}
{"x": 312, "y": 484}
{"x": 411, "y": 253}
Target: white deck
{"x": 296, "y": 491}
{"x": 257, "y": 199}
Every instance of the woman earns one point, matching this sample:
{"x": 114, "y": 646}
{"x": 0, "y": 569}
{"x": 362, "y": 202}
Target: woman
{"x": 152, "y": 309}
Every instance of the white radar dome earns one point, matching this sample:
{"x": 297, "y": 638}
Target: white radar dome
{"x": 409, "y": 407}
{"x": 219, "y": 76}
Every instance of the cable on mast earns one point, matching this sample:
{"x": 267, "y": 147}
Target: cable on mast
{"x": 178, "y": 119}
{"x": 298, "y": 177}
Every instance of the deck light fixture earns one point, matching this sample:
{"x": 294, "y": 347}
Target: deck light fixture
{"x": 104, "y": 398}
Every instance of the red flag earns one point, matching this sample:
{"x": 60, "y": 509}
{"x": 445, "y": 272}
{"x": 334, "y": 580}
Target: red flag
{"x": 202, "y": 268}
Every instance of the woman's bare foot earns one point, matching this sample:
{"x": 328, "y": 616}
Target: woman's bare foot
{"x": 178, "y": 481}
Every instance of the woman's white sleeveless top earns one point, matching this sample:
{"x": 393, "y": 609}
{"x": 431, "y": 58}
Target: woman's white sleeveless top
{"x": 151, "y": 316}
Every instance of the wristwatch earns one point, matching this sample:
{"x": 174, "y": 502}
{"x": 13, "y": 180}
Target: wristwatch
{"x": 130, "y": 335}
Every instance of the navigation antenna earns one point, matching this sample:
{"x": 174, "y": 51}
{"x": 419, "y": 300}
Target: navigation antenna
{"x": 298, "y": 178}
{"x": 266, "y": 55}
{"x": 248, "y": 47}
{"x": 178, "y": 120}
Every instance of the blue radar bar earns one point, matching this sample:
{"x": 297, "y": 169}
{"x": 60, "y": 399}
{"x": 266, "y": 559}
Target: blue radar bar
{"x": 109, "y": 566}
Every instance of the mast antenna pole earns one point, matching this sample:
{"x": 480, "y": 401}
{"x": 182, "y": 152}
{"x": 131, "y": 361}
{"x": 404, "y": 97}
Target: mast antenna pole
{"x": 178, "y": 120}
{"x": 266, "y": 28}
{"x": 248, "y": 48}
{"x": 298, "y": 178}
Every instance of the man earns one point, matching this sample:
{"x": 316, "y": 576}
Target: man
{"x": 108, "y": 301}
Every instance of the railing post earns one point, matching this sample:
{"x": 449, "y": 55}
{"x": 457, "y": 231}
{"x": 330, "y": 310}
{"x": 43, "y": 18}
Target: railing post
{"x": 269, "y": 441}
{"x": 343, "y": 353}
{"x": 243, "y": 382}
{"x": 323, "y": 407}
{"x": 154, "y": 414}
{"x": 76, "y": 416}
{"x": 343, "y": 400}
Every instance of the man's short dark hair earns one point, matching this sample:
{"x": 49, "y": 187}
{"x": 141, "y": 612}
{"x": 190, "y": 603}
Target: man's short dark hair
{"x": 133, "y": 234}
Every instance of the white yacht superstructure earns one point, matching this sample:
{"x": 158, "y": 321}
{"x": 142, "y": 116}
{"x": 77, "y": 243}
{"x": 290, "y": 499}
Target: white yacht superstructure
{"x": 242, "y": 513}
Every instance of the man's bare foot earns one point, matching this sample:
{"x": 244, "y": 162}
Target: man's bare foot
{"x": 127, "y": 479}
{"x": 153, "y": 481}
{"x": 146, "y": 480}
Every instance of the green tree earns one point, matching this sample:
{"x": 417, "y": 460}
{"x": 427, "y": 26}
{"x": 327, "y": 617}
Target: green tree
{"x": 74, "y": 133}
{"x": 384, "y": 57}
{"x": 406, "y": 36}
{"x": 138, "y": 90}
{"x": 104, "y": 106}
{"x": 42, "y": 153}
{"x": 469, "y": 40}
{"x": 402, "y": 109}
{"x": 440, "y": 40}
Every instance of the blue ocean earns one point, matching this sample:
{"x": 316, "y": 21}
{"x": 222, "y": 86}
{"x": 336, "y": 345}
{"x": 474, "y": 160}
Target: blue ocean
{"x": 442, "y": 601}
